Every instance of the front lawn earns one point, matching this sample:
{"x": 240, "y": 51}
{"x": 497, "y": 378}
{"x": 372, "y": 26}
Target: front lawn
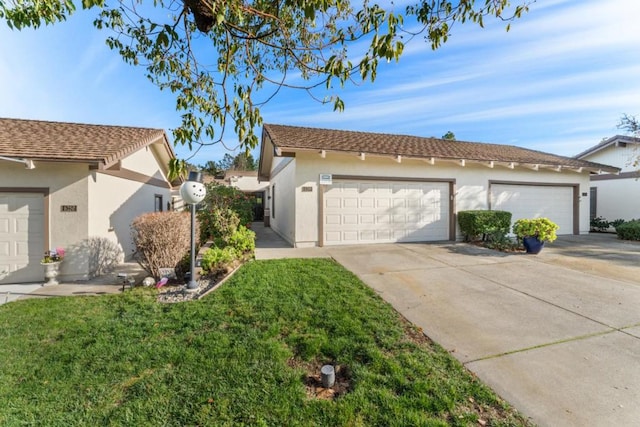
{"x": 247, "y": 354}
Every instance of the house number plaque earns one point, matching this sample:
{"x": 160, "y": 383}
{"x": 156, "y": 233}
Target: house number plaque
{"x": 69, "y": 208}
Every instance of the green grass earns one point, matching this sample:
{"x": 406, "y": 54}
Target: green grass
{"x": 236, "y": 357}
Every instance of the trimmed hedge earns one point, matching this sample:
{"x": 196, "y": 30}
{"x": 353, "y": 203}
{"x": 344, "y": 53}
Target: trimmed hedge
{"x": 629, "y": 230}
{"x": 484, "y": 225}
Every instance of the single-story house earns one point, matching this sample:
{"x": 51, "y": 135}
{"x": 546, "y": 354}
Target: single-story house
{"x": 616, "y": 195}
{"x": 333, "y": 187}
{"x": 76, "y": 186}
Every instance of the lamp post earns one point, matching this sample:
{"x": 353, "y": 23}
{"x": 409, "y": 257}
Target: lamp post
{"x": 192, "y": 192}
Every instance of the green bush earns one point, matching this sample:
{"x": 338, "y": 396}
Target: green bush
{"x": 484, "y": 225}
{"x": 223, "y": 197}
{"x": 218, "y": 225}
{"x": 243, "y": 240}
{"x": 599, "y": 224}
{"x": 629, "y": 230}
{"x": 542, "y": 228}
{"x": 616, "y": 222}
{"x": 216, "y": 260}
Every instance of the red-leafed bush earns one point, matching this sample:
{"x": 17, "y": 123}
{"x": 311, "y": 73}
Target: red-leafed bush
{"x": 162, "y": 239}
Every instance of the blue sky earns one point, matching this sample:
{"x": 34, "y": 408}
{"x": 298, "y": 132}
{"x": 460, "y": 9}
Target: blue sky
{"x": 559, "y": 82}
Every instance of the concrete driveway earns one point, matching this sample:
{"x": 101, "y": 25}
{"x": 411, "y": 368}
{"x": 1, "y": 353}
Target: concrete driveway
{"x": 557, "y": 334}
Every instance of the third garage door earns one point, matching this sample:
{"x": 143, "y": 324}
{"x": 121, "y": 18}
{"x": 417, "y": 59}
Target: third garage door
{"x": 377, "y": 211}
{"x": 536, "y": 201}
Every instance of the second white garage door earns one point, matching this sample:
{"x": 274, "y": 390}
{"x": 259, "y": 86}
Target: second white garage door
{"x": 536, "y": 201}
{"x": 21, "y": 237}
{"x": 377, "y": 211}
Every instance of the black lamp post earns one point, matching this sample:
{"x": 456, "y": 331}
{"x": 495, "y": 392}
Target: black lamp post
{"x": 192, "y": 192}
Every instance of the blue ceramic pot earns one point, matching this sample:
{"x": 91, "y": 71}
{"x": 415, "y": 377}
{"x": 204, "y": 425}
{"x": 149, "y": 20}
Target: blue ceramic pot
{"x": 532, "y": 244}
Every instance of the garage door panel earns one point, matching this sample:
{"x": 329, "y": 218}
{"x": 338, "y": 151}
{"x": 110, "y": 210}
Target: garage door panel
{"x": 401, "y": 211}
{"x": 530, "y": 201}
{"x": 21, "y": 237}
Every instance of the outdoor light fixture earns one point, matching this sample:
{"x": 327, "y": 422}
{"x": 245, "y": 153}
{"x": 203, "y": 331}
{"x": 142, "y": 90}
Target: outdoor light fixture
{"x": 192, "y": 192}
{"x": 28, "y": 164}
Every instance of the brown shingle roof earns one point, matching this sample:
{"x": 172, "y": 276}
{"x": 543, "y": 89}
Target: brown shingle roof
{"x": 303, "y": 138}
{"x": 57, "y": 141}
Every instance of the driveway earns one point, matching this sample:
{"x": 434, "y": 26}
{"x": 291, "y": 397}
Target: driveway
{"x": 555, "y": 334}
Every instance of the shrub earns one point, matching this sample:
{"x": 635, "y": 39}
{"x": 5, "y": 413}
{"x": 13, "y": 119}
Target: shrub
{"x": 542, "y": 228}
{"x": 484, "y": 225}
{"x": 629, "y": 230}
{"x": 217, "y": 260}
{"x": 616, "y": 222}
{"x": 224, "y": 197}
{"x": 599, "y": 224}
{"x": 243, "y": 240}
{"x": 162, "y": 239}
{"x": 218, "y": 225}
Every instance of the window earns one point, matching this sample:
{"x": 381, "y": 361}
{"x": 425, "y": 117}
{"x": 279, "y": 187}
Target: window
{"x": 158, "y": 203}
{"x": 273, "y": 201}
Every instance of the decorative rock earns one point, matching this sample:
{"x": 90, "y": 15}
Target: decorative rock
{"x": 148, "y": 281}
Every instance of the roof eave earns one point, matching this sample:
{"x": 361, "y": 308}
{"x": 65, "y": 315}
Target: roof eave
{"x": 595, "y": 168}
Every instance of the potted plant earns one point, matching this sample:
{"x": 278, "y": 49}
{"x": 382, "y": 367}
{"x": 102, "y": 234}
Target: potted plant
{"x": 51, "y": 262}
{"x": 535, "y": 232}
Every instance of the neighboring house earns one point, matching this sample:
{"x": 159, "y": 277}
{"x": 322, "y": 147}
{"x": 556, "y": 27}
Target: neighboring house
{"x": 615, "y": 195}
{"x": 397, "y": 188}
{"x": 247, "y": 182}
{"x": 79, "y": 187}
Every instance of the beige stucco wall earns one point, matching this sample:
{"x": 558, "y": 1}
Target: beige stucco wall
{"x": 113, "y": 204}
{"x": 284, "y": 221}
{"x": 67, "y": 185}
{"x": 144, "y": 161}
{"x": 621, "y": 157}
{"x": 249, "y": 184}
{"x": 115, "y": 201}
{"x": 618, "y": 197}
{"x": 471, "y": 190}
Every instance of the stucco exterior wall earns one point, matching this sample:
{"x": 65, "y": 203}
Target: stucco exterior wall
{"x": 283, "y": 218}
{"x": 618, "y": 197}
{"x": 249, "y": 184}
{"x": 144, "y": 161}
{"x": 471, "y": 189}
{"x": 622, "y": 157}
{"x": 112, "y": 212}
{"x": 67, "y": 186}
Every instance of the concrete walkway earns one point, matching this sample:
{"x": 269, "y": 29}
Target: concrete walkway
{"x": 107, "y": 284}
{"x": 557, "y": 334}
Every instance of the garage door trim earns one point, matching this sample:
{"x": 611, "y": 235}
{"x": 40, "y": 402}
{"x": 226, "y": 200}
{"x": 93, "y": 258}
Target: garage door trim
{"x": 574, "y": 186}
{"x": 450, "y": 181}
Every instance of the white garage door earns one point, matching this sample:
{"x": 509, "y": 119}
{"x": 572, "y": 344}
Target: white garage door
{"x": 531, "y": 201}
{"x": 377, "y": 211}
{"x": 21, "y": 237}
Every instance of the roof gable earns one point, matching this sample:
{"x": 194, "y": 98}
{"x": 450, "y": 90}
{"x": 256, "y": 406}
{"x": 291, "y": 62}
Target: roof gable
{"x": 292, "y": 138}
{"x": 100, "y": 145}
{"x": 617, "y": 140}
